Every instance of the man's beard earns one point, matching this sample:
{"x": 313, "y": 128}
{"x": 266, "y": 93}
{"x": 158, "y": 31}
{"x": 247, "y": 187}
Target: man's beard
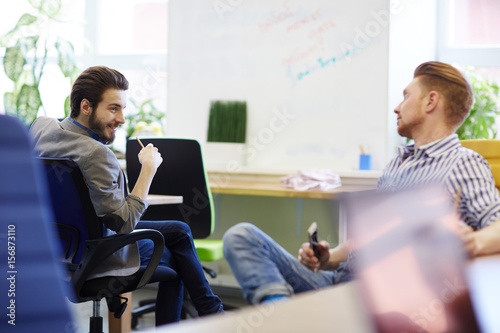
{"x": 99, "y": 128}
{"x": 407, "y": 130}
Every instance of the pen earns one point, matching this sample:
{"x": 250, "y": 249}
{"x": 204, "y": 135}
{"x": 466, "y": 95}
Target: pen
{"x": 139, "y": 141}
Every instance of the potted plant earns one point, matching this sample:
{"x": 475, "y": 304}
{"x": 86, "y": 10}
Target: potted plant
{"x": 481, "y": 123}
{"x": 227, "y": 121}
{"x": 27, "y": 46}
{"x": 145, "y": 122}
{"x": 226, "y": 134}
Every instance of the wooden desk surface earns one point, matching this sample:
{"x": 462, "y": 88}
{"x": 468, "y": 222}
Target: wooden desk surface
{"x": 333, "y": 309}
{"x": 269, "y": 184}
{"x": 274, "y": 189}
{"x": 157, "y": 199}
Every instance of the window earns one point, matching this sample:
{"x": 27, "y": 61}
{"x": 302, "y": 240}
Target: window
{"x": 54, "y": 87}
{"x": 130, "y": 36}
{"x": 131, "y": 27}
{"x": 474, "y": 23}
{"x": 469, "y": 34}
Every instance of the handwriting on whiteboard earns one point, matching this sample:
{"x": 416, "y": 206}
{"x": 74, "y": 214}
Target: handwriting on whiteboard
{"x": 313, "y": 39}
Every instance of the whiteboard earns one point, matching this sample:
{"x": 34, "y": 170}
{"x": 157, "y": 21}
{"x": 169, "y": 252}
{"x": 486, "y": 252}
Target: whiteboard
{"x": 313, "y": 73}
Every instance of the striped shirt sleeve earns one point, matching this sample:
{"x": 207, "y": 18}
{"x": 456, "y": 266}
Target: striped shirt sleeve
{"x": 480, "y": 202}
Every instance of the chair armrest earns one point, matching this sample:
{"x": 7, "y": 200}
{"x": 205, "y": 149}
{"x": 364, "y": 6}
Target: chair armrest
{"x": 99, "y": 249}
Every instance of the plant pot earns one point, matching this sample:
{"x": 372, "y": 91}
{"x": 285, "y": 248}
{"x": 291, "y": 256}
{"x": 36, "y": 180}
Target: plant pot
{"x": 224, "y": 155}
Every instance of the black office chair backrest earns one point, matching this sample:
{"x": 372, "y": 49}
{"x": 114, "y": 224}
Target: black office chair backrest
{"x": 81, "y": 235}
{"x": 74, "y": 213}
{"x": 181, "y": 173}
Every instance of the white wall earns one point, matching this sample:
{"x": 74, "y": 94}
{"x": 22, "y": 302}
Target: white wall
{"x": 412, "y": 41}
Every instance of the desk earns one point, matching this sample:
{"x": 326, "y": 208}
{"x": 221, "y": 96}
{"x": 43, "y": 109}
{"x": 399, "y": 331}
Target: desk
{"x": 332, "y": 309}
{"x": 157, "y": 199}
{"x": 259, "y": 182}
{"x": 269, "y": 185}
{"x": 483, "y": 274}
{"x": 263, "y": 188}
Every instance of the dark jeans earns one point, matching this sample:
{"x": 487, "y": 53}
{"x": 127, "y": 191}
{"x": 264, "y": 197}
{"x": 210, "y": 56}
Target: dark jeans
{"x": 180, "y": 255}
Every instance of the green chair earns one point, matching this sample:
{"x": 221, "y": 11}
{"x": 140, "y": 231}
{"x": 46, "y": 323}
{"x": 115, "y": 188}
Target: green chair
{"x": 181, "y": 173}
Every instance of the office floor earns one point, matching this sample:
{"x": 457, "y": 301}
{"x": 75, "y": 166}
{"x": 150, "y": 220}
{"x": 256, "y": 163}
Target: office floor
{"x": 82, "y": 312}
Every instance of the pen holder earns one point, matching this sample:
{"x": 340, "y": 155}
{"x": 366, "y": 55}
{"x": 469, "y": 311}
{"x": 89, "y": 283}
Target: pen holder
{"x": 365, "y": 162}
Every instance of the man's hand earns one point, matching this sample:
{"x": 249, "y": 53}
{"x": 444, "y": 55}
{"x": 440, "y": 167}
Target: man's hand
{"x": 150, "y": 157}
{"x": 306, "y": 255}
{"x": 467, "y": 235}
{"x": 485, "y": 241}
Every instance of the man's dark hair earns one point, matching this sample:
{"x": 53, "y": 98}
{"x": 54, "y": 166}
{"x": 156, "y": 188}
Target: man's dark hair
{"x": 92, "y": 83}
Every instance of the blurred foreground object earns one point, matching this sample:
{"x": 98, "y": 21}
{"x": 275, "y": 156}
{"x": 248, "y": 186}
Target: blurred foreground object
{"x": 409, "y": 261}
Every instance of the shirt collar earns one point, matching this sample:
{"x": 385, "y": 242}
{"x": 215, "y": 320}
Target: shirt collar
{"x": 406, "y": 151}
{"x": 89, "y": 131}
{"x": 431, "y": 149}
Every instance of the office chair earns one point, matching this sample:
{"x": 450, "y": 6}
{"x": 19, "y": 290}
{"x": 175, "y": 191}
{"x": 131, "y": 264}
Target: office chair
{"x": 84, "y": 248}
{"x": 181, "y": 173}
{"x": 490, "y": 150}
{"x": 33, "y": 295}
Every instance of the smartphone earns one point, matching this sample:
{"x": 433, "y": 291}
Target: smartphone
{"x": 312, "y": 232}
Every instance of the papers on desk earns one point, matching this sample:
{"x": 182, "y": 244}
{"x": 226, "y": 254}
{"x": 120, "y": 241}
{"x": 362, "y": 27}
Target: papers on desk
{"x": 312, "y": 179}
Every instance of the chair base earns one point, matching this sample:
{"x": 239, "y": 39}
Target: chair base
{"x": 145, "y": 306}
{"x": 96, "y": 325}
{"x": 149, "y": 306}
{"x": 95, "y": 322}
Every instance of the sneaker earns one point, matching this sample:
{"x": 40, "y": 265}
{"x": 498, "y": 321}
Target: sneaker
{"x": 273, "y": 298}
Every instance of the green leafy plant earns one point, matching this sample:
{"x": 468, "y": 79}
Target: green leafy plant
{"x": 147, "y": 118}
{"x": 481, "y": 123}
{"x": 27, "y": 46}
{"x": 227, "y": 121}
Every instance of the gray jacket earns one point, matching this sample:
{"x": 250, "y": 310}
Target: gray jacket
{"x": 106, "y": 181}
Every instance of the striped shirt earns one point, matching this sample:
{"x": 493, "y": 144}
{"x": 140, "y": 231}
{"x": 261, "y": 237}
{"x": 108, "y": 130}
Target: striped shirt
{"x": 447, "y": 163}
{"x": 444, "y": 162}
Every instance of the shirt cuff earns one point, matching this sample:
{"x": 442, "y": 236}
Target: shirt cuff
{"x": 141, "y": 201}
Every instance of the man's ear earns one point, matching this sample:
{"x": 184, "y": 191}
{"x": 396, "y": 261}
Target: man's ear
{"x": 85, "y": 107}
{"x": 431, "y": 101}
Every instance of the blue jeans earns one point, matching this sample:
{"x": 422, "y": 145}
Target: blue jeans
{"x": 180, "y": 255}
{"x": 264, "y": 268}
